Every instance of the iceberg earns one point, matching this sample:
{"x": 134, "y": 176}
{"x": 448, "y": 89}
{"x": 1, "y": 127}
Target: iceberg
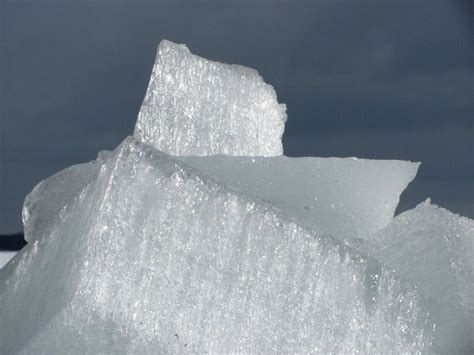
{"x": 196, "y": 235}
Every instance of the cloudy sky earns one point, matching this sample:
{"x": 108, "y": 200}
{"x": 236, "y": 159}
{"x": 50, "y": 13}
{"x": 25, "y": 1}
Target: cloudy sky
{"x": 367, "y": 78}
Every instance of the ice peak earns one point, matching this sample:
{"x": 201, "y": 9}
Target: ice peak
{"x": 194, "y": 106}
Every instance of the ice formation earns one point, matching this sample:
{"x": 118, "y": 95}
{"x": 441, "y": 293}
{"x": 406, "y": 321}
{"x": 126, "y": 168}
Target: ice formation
{"x": 346, "y": 198}
{"x": 43, "y": 205}
{"x": 434, "y": 249}
{"x": 224, "y": 272}
{"x": 146, "y": 252}
{"x": 194, "y": 106}
{"x": 5, "y": 256}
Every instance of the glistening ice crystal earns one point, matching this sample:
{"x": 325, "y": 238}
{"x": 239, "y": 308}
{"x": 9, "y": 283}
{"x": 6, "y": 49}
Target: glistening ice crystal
{"x": 194, "y": 106}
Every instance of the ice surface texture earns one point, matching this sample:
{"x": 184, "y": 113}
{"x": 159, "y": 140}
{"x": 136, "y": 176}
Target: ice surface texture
{"x": 434, "y": 249}
{"x": 143, "y": 252}
{"x": 194, "y": 106}
{"x": 151, "y": 256}
{"x": 346, "y": 198}
{"x": 5, "y": 256}
{"x": 43, "y": 205}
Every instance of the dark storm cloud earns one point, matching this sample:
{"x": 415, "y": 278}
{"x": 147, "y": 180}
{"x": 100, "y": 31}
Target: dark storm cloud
{"x": 466, "y": 11}
{"x": 378, "y": 79}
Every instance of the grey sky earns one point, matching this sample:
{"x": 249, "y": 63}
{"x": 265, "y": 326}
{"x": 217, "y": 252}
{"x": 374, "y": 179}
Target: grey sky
{"x": 369, "y": 78}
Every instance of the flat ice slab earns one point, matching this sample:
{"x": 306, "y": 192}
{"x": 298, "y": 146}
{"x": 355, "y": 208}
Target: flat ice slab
{"x": 194, "y": 106}
{"x": 347, "y": 198}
